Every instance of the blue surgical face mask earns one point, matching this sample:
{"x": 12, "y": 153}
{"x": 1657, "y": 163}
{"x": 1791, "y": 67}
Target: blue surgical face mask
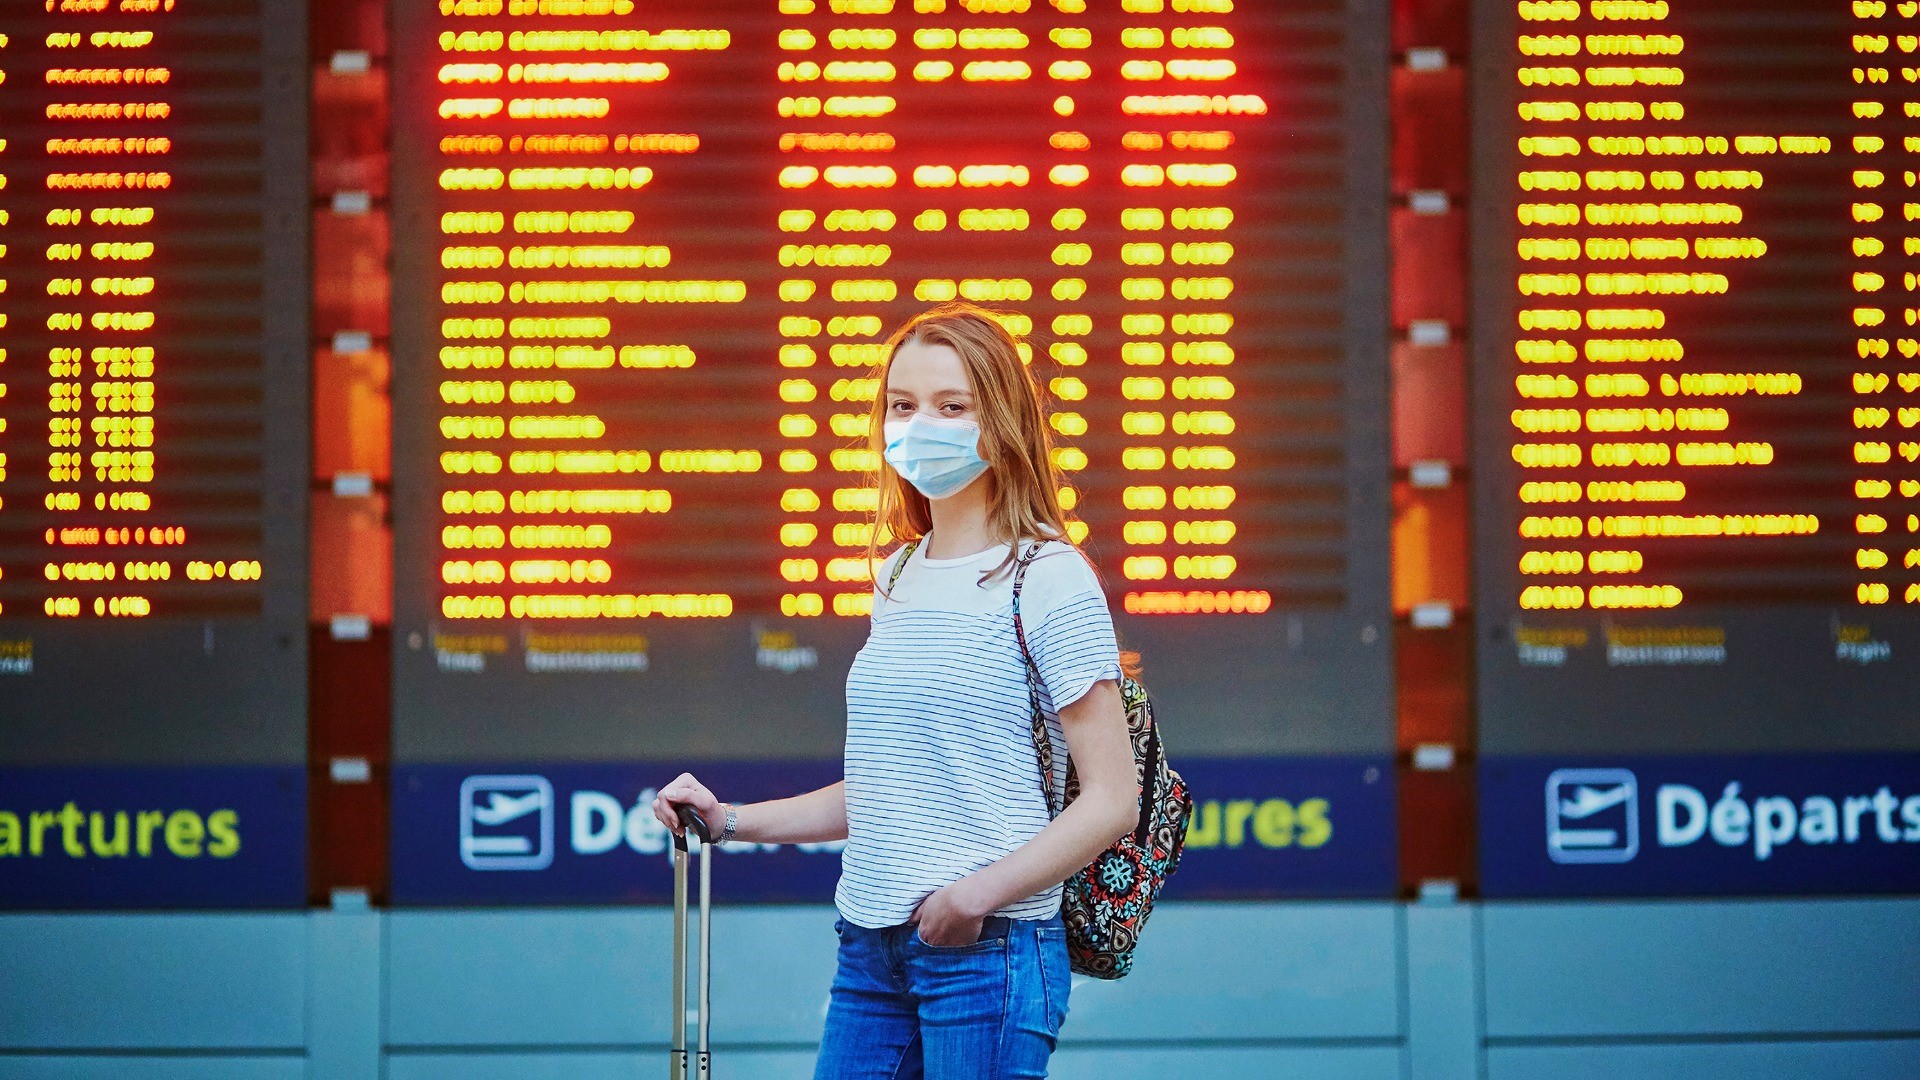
{"x": 937, "y": 456}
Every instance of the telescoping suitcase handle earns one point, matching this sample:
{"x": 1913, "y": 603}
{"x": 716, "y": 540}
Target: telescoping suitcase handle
{"x": 691, "y": 822}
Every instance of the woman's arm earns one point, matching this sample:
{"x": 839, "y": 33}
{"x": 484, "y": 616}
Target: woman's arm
{"x": 1107, "y": 807}
{"x": 813, "y": 818}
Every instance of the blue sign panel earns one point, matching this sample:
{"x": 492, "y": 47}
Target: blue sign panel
{"x": 1700, "y": 825}
{"x": 1265, "y": 827}
{"x": 173, "y": 837}
{"x": 583, "y": 832}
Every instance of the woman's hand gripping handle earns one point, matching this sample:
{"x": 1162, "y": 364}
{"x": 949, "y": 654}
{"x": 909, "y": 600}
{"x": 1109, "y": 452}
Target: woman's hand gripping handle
{"x": 686, "y": 798}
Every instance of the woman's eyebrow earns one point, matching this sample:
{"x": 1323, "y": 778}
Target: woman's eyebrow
{"x": 968, "y": 394}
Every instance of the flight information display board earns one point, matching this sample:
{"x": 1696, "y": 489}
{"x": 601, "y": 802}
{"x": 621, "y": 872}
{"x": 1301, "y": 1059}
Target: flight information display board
{"x": 647, "y": 257}
{"x": 153, "y": 380}
{"x": 1698, "y": 374}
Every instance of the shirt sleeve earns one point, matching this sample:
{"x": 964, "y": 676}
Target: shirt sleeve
{"x": 1069, "y": 629}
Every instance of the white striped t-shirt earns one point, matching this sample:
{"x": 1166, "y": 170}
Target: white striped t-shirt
{"x": 941, "y": 775}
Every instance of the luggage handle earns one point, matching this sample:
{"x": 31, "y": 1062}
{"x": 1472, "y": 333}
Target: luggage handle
{"x": 690, "y": 821}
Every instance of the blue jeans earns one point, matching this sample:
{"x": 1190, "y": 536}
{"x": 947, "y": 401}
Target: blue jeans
{"x": 902, "y": 1009}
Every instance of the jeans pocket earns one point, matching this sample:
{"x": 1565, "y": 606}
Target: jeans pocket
{"x": 1056, "y": 975}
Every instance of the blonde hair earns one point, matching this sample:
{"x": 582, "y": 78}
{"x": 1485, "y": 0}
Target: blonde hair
{"x": 1024, "y": 499}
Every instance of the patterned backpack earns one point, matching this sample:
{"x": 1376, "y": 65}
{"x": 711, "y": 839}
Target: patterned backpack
{"x": 1106, "y": 904}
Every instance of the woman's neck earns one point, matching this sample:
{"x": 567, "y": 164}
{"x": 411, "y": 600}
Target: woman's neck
{"x": 960, "y": 523}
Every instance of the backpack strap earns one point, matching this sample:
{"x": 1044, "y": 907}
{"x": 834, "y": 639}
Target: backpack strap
{"x": 1042, "y": 743}
{"x": 906, "y": 552}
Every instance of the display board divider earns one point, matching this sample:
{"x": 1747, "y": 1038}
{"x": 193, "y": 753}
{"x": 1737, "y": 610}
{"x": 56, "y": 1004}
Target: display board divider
{"x": 350, "y": 699}
{"x": 1432, "y": 483}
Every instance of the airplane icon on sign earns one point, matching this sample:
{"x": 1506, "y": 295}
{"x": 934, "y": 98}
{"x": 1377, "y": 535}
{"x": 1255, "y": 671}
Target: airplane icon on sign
{"x": 506, "y": 823}
{"x": 1593, "y": 816}
{"x": 502, "y": 808}
{"x": 1588, "y": 801}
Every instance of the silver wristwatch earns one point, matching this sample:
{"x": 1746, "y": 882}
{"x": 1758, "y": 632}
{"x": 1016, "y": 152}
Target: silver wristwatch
{"x": 732, "y": 825}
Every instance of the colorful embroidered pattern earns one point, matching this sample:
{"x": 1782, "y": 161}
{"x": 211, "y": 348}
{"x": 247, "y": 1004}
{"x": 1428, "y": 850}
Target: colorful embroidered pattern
{"x": 1106, "y": 904}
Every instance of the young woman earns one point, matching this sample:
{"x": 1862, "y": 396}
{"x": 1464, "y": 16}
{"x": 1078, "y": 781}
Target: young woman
{"x": 952, "y": 961}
